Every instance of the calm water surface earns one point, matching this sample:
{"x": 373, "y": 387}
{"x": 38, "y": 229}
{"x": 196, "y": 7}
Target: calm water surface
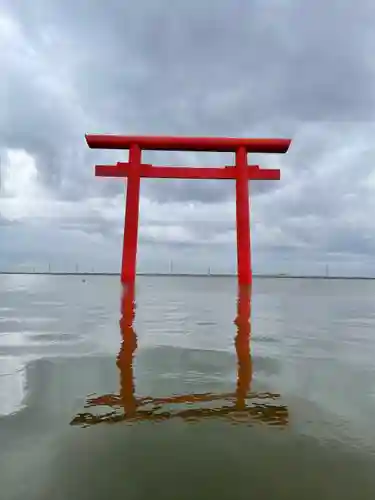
{"x": 178, "y": 406}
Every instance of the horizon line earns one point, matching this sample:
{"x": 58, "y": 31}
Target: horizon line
{"x": 206, "y": 275}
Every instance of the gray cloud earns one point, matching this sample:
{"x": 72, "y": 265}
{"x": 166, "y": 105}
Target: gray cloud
{"x": 298, "y": 69}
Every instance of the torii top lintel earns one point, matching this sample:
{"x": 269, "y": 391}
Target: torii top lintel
{"x": 215, "y": 144}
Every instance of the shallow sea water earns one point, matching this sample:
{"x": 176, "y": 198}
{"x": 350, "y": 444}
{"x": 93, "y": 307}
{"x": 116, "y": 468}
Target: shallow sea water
{"x": 183, "y": 402}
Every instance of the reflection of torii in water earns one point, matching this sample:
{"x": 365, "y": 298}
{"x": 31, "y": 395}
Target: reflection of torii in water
{"x": 147, "y": 408}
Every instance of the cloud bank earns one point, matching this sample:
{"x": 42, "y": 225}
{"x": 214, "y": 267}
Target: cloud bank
{"x": 294, "y": 69}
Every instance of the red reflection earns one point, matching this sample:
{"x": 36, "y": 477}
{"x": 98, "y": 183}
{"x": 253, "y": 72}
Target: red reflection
{"x": 242, "y": 343}
{"x": 134, "y": 408}
{"x": 128, "y": 347}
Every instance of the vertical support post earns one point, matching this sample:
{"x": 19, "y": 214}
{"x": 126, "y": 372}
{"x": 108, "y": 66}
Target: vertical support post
{"x": 129, "y": 250}
{"x": 243, "y": 218}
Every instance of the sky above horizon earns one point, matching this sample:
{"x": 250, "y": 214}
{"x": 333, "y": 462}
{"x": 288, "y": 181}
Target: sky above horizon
{"x": 255, "y": 68}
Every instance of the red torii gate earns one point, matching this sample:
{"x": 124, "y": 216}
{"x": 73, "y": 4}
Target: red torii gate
{"x": 134, "y": 169}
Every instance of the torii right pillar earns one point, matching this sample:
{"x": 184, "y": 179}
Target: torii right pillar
{"x": 244, "y": 268}
{"x": 244, "y": 173}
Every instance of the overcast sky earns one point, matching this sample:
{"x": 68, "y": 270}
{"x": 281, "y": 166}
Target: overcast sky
{"x": 303, "y": 70}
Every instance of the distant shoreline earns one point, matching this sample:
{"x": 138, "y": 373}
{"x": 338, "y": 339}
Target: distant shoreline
{"x": 190, "y": 275}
